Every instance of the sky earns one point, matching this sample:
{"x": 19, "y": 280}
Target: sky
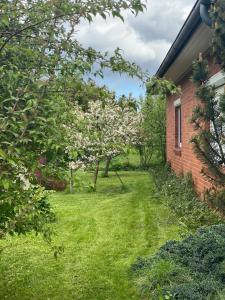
{"x": 144, "y": 39}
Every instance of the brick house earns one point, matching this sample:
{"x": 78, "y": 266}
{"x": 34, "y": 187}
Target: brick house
{"x": 194, "y": 38}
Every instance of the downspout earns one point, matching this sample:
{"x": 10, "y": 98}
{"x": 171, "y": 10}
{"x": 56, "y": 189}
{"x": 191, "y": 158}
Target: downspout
{"x": 204, "y": 11}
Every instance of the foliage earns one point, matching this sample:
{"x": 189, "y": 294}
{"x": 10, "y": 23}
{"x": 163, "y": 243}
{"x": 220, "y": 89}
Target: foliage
{"x": 216, "y": 200}
{"x": 83, "y": 92}
{"x": 30, "y": 127}
{"x": 125, "y": 102}
{"x": 126, "y": 165}
{"x": 41, "y": 65}
{"x": 179, "y": 195}
{"x": 23, "y": 210}
{"x": 208, "y": 117}
{"x": 102, "y": 233}
{"x": 161, "y": 88}
{"x": 129, "y": 101}
{"x": 153, "y": 130}
{"x": 43, "y": 34}
{"x": 189, "y": 269}
{"x": 208, "y": 141}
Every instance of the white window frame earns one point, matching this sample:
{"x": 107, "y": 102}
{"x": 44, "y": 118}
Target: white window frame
{"x": 177, "y": 102}
{"x": 218, "y": 80}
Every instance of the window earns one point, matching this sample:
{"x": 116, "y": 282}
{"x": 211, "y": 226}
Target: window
{"x": 178, "y": 124}
{"x": 218, "y": 80}
{"x": 220, "y": 125}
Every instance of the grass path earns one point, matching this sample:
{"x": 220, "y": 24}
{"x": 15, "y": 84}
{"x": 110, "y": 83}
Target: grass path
{"x": 102, "y": 233}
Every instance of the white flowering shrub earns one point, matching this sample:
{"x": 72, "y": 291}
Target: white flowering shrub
{"x": 105, "y": 130}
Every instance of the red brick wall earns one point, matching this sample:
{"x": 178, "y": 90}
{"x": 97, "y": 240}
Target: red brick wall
{"x": 185, "y": 161}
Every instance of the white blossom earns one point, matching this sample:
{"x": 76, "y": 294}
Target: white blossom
{"x": 25, "y": 181}
{"x": 104, "y": 130}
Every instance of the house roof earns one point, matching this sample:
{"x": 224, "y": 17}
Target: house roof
{"x": 193, "y": 38}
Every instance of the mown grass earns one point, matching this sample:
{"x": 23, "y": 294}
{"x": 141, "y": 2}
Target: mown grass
{"x": 102, "y": 232}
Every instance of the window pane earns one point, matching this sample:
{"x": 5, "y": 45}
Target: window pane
{"x": 219, "y": 125}
{"x": 178, "y": 127}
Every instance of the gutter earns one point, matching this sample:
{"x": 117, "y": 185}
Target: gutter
{"x": 198, "y": 15}
{"x": 204, "y": 11}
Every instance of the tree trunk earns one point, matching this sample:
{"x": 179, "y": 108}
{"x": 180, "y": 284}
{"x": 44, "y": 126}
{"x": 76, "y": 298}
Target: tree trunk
{"x": 106, "y": 171}
{"x": 96, "y": 176}
{"x": 71, "y": 180}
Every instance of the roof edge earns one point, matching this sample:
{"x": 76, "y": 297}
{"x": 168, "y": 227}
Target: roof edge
{"x": 189, "y": 27}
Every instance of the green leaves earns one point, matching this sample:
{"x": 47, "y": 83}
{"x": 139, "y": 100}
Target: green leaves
{"x": 200, "y": 72}
{"x": 138, "y": 6}
{"x": 5, "y": 20}
{"x": 41, "y": 67}
{"x": 153, "y": 129}
{"x": 6, "y": 183}
{"x": 117, "y": 14}
{"x": 2, "y": 154}
{"x": 161, "y": 88}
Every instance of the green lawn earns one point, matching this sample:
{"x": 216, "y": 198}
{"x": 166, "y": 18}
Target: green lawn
{"x": 102, "y": 233}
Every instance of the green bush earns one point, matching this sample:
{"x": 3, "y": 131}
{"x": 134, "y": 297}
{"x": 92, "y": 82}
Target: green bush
{"x": 217, "y": 200}
{"x": 126, "y": 162}
{"x": 192, "y": 269}
{"x": 124, "y": 166}
{"x": 179, "y": 194}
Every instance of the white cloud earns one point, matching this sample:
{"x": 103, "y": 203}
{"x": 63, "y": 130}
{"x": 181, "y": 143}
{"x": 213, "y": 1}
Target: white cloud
{"x": 144, "y": 39}
{"x": 108, "y": 35}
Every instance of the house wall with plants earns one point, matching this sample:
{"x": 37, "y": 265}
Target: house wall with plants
{"x": 183, "y": 160}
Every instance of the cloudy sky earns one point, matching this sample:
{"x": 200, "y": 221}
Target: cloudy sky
{"x": 144, "y": 39}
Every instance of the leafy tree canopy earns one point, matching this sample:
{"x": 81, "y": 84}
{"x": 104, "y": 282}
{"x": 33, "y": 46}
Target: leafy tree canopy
{"x": 41, "y": 65}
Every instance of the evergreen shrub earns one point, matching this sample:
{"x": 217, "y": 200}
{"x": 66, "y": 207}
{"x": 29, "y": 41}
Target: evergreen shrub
{"x": 192, "y": 269}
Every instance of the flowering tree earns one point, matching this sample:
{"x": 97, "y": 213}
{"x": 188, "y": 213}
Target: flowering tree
{"x": 105, "y": 130}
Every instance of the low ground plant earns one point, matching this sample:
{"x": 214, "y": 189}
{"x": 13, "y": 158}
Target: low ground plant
{"x": 179, "y": 194}
{"x": 192, "y": 269}
{"x": 102, "y": 234}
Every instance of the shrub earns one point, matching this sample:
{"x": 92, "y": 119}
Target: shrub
{"x": 47, "y": 177}
{"x": 193, "y": 268}
{"x": 51, "y": 183}
{"x": 30, "y": 212}
{"x": 124, "y": 166}
{"x": 216, "y": 200}
{"x": 179, "y": 194}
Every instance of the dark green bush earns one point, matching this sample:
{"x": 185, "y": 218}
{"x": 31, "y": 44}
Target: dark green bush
{"x": 179, "y": 194}
{"x": 193, "y": 268}
{"x": 124, "y": 166}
